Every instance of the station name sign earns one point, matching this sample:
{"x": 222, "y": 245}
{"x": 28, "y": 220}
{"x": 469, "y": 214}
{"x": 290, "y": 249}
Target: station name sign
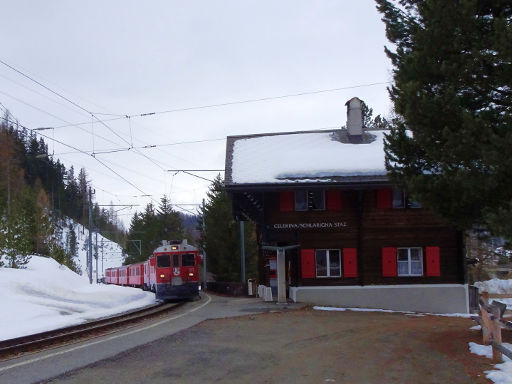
{"x": 317, "y": 225}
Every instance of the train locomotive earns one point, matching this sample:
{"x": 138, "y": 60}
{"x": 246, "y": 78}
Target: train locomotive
{"x": 171, "y": 272}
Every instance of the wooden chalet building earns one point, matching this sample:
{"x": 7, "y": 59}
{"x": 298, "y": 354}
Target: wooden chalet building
{"x": 332, "y": 229}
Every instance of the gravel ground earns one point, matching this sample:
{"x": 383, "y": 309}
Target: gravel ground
{"x": 302, "y": 346}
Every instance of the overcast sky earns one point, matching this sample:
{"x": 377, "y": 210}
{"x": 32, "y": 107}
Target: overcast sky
{"x": 117, "y": 58}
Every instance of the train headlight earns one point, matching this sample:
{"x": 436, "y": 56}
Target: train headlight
{"x": 162, "y": 276}
{"x": 191, "y": 274}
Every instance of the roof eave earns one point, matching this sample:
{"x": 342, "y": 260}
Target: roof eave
{"x": 356, "y": 182}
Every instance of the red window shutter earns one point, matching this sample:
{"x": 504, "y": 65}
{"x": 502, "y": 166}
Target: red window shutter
{"x": 389, "y": 268}
{"x": 384, "y": 198}
{"x": 433, "y": 261}
{"x": 334, "y": 200}
{"x": 307, "y": 257}
{"x": 350, "y": 262}
{"x": 287, "y": 201}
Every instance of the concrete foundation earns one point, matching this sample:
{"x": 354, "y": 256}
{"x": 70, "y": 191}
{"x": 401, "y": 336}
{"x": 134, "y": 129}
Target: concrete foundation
{"x": 439, "y": 298}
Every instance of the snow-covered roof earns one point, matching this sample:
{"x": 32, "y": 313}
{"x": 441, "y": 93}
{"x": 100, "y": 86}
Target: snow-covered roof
{"x": 305, "y": 157}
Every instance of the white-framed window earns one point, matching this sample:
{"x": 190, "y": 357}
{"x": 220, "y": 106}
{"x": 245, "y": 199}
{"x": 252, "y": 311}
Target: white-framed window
{"x": 328, "y": 262}
{"x": 410, "y": 261}
{"x": 313, "y": 200}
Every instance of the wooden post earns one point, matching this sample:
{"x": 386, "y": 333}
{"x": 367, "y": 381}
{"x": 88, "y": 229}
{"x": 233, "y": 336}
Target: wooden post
{"x": 486, "y": 320}
{"x": 491, "y": 326}
{"x": 497, "y": 356}
{"x": 487, "y": 326}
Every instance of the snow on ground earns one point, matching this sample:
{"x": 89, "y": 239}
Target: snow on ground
{"x": 318, "y": 308}
{"x": 111, "y": 256}
{"x": 495, "y": 286}
{"x": 503, "y": 374}
{"x": 47, "y": 296}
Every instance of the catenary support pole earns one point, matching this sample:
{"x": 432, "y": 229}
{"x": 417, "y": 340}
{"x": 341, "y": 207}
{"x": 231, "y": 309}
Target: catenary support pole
{"x": 102, "y": 270}
{"x": 204, "y": 252}
{"x": 96, "y": 254}
{"x": 281, "y": 276}
{"x": 242, "y": 251}
{"x": 89, "y": 256}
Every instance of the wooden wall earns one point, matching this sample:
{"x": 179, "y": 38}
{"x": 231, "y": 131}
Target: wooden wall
{"x": 368, "y": 229}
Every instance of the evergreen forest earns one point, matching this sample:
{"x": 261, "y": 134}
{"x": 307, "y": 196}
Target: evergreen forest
{"x": 37, "y": 195}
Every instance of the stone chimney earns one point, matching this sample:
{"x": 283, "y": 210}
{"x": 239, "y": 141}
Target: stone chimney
{"x": 354, "y": 118}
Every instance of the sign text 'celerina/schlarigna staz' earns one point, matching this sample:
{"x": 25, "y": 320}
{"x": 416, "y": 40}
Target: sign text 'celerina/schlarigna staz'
{"x": 336, "y": 224}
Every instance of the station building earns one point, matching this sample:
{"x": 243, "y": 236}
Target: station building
{"x": 333, "y": 230}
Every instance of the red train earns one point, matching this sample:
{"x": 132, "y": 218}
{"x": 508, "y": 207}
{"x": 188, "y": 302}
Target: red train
{"x": 171, "y": 272}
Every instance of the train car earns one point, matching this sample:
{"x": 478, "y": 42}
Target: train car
{"x": 123, "y": 274}
{"x": 172, "y": 272}
{"x": 146, "y": 285}
{"x": 114, "y": 276}
{"x": 136, "y": 275}
{"x": 108, "y": 273}
{"x": 174, "y": 268}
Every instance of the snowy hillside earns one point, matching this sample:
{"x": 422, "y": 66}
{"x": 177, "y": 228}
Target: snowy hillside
{"x": 47, "y": 296}
{"x": 109, "y": 253}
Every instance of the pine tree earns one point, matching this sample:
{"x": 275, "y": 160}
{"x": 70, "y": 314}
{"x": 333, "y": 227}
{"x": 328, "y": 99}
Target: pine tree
{"x": 221, "y": 241}
{"x": 83, "y": 196}
{"x": 71, "y": 241}
{"x": 450, "y": 143}
{"x": 169, "y": 224}
{"x": 16, "y": 232}
{"x": 135, "y": 233}
{"x": 72, "y": 193}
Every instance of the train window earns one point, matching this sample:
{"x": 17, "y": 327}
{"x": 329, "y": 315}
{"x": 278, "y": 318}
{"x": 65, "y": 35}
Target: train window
{"x": 176, "y": 260}
{"x": 163, "y": 261}
{"x": 187, "y": 260}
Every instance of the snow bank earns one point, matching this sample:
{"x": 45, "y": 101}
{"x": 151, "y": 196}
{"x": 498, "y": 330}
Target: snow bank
{"x": 340, "y": 309}
{"x": 47, "y": 296}
{"x": 495, "y": 286}
{"x": 503, "y": 374}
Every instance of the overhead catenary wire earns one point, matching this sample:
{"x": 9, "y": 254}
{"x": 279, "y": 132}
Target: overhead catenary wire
{"x": 218, "y": 105}
{"x": 98, "y": 160}
{"x": 79, "y": 107}
{"x": 59, "y": 95}
{"x": 77, "y": 150}
{"x": 155, "y": 162}
{"x": 43, "y": 95}
{"x": 113, "y": 150}
{"x": 52, "y": 115}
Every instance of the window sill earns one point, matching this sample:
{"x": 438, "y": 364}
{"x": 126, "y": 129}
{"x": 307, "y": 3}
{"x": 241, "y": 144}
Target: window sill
{"x": 410, "y": 275}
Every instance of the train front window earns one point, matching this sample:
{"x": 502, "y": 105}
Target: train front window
{"x": 175, "y": 260}
{"x": 187, "y": 260}
{"x": 163, "y": 261}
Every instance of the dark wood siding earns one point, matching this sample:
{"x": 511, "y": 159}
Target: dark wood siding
{"x": 364, "y": 224}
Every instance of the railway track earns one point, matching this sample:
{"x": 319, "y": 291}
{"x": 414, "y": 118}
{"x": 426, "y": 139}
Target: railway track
{"x": 13, "y": 348}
